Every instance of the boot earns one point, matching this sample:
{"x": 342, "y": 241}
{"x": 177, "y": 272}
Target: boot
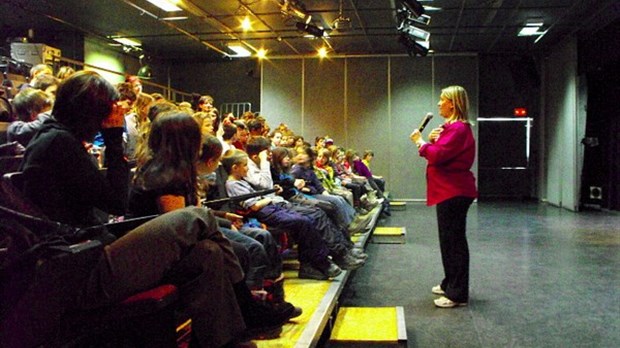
{"x": 261, "y": 319}
{"x": 275, "y": 295}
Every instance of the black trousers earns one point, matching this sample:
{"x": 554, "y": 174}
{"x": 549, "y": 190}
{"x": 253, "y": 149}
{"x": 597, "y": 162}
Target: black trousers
{"x": 451, "y": 220}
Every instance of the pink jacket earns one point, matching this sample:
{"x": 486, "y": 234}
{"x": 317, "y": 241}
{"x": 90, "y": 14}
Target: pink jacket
{"x": 448, "y": 173}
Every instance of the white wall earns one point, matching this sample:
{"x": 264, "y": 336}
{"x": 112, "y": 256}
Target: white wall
{"x": 559, "y": 174}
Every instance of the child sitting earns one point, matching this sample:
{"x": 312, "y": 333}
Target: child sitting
{"x": 313, "y": 253}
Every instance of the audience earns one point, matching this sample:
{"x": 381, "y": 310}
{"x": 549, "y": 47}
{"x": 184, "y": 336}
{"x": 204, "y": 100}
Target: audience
{"x": 320, "y": 200}
{"x": 180, "y": 246}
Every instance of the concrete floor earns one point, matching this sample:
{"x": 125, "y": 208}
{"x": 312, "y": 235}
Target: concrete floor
{"x": 540, "y": 277}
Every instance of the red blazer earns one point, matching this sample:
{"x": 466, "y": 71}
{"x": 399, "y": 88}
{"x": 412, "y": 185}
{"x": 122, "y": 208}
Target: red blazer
{"x": 450, "y": 158}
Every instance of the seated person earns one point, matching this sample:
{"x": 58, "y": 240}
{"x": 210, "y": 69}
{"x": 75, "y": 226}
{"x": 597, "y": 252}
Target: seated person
{"x": 183, "y": 247}
{"x": 168, "y": 181}
{"x": 47, "y": 83}
{"x": 268, "y": 274}
{"x": 32, "y": 107}
{"x": 304, "y": 169}
{"x": 313, "y": 253}
{"x": 336, "y": 237}
{"x": 366, "y": 159}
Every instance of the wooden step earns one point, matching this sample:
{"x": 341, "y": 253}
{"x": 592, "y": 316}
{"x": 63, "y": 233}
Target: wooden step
{"x": 389, "y": 235}
{"x": 369, "y": 326}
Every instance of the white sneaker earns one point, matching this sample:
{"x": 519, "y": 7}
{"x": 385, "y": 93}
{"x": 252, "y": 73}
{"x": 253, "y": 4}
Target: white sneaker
{"x": 437, "y": 290}
{"x": 444, "y": 302}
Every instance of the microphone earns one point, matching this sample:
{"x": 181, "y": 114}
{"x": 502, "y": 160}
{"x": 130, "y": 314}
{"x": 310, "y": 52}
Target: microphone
{"x": 425, "y": 121}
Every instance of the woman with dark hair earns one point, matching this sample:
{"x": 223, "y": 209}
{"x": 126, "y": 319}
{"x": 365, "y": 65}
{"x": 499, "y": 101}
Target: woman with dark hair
{"x": 182, "y": 247}
{"x": 167, "y": 181}
{"x": 60, "y": 177}
{"x": 142, "y": 146}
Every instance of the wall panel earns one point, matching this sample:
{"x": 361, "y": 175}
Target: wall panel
{"x": 560, "y": 140}
{"x": 368, "y": 118}
{"x": 281, "y": 92}
{"x": 324, "y": 99}
{"x": 411, "y": 98}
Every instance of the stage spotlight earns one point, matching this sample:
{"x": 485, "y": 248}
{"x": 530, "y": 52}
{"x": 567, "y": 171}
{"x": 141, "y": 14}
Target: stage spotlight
{"x": 295, "y": 9}
{"x": 414, "y": 7}
{"x": 310, "y": 29}
{"x": 417, "y": 33}
{"x": 413, "y": 38}
{"x": 414, "y": 48}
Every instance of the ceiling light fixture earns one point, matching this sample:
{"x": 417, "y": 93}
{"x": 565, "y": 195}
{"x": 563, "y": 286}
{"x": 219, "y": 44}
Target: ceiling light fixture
{"x": 532, "y": 28}
{"x": 145, "y": 72}
{"x": 240, "y": 50}
{"x": 127, "y": 42}
{"x": 322, "y": 52}
{"x": 246, "y": 24}
{"x": 414, "y": 7}
{"x": 176, "y": 18}
{"x": 341, "y": 23}
{"x": 261, "y": 53}
{"x": 414, "y": 48}
{"x": 165, "y": 5}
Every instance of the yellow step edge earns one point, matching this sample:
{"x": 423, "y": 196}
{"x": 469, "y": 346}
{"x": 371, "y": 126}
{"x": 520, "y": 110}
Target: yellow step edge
{"x": 370, "y": 324}
{"x": 390, "y": 231}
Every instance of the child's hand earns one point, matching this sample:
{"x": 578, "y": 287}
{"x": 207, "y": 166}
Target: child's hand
{"x": 300, "y": 183}
{"x": 233, "y": 217}
{"x": 264, "y": 155}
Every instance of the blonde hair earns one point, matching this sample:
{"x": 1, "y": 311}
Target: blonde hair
{"x": 458, "y": 96}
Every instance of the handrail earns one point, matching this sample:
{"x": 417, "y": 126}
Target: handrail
{"x": 169, "y": 91}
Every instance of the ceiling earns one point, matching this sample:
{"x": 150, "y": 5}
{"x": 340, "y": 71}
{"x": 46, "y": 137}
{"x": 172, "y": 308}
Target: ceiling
{"x": 483, "y": 26}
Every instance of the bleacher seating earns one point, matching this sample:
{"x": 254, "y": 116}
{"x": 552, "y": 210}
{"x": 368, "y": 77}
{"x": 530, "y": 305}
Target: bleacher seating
{"x": 319, "y": 300}
{"x": 36, "y": 312}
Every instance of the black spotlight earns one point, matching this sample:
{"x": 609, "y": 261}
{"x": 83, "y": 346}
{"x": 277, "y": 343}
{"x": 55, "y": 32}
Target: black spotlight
{"x": 414, "y": 7}
{"x": 310, "y": 29}
{"x": 413, "y": 47}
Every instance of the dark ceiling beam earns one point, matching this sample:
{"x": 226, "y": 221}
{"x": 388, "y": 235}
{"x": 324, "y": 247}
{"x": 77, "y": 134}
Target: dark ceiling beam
{"x": 456, "y": 26}
{"x": 359, "y": 19}
{"x": 502, "y": 32}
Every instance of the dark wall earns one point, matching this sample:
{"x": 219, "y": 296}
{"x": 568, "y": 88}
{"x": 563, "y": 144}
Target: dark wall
{"x": 507, "y": 82}
{"x": 599, "y": 59}
{"x": 233, "y": 81}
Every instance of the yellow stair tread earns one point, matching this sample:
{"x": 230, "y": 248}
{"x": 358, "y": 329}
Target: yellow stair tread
{"x": 367, "y": 324}
{"x": 398, "y": 203}
{"x": 304, "y": 293}
{"x": 389, "y": 231}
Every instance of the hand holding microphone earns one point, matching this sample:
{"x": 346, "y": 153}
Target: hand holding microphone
{"x": 427, "y": 118}
{"x": 416, "y": 135}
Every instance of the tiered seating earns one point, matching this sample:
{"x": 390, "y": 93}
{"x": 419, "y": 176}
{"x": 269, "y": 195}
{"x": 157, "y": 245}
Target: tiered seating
{"x": 319, "y": 300}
